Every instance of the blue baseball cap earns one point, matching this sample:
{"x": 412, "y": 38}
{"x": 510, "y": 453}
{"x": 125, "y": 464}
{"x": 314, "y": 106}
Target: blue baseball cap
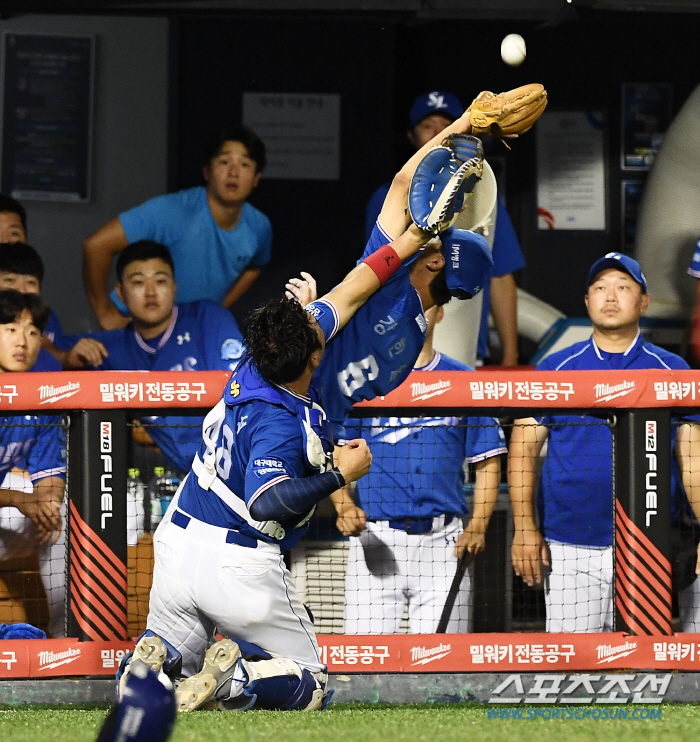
{"x": 622, "y": 263}
{"x": 436, "y": 101}
{"x": 468, "y": 262}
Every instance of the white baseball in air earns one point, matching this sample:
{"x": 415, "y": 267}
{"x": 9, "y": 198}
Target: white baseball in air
{"x": 513, "y": 49}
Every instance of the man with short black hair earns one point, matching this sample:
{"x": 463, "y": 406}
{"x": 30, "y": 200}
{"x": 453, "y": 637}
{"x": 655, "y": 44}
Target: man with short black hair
{"x": 219, "y": 242}
{"x": 162, "y": 336}
{"x": 13, "y": 220}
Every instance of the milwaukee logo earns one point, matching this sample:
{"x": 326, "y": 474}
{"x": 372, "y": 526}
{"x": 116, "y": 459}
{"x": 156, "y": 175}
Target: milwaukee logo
{"x": 608, "y": 653}
{"x": 48, "y": 394}
{"x": 605, "y": 392}
{"x": 49, "y": 660}
{"x": 425, "y": 391}
{"x": 421, "y": 655}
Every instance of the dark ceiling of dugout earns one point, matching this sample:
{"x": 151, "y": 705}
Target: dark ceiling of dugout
{"x": 551, "y": 11}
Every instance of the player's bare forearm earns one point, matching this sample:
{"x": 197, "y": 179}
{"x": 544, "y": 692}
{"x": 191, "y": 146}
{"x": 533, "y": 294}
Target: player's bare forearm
{"x": 487, "y": 482}
{"x": 98, "y": 251}
{"x": 42, "y": 506}
{"x": 362, "y": 281}
{"x": 241, "y": 286}
{"x": 351, "y": 520}
{"x": 394, "y": 215}
{"x": 528, "y": 549}
{"x": 526, "y": 441}
{"x": 504, "y": 307}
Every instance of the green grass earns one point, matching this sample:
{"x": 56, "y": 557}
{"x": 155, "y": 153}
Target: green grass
{"x": 354, "y": 723}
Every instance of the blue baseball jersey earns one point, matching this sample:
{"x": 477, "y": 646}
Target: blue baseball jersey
{"x": 376, "y": 350}
{"x": 575, "y": 497}
{"x": 694, "y": 269}
{"x": 201, "y": 336}
{"x": 208, "y": 260}
{"x": 36, "y": 443}
{"x": 46, "y": 362}
{"x": 54, "y": 332}
{"x": 507, "y": 255}
{"x": 417, "y": 461}
{"x": 258, "y": 438}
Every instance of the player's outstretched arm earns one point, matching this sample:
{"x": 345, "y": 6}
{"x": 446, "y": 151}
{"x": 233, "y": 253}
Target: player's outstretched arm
{"x": 362, "y": 281}
{"x": 529, "y": 548}
{"x": 688, "y": 457}
{"x": 394, "y": 214}
{"x": 487, "y": 481}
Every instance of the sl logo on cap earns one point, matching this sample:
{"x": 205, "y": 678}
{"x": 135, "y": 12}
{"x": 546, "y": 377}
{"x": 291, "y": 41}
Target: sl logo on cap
{"x": 435, "y": 100}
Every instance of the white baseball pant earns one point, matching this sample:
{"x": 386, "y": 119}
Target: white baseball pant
{"x": 578, "y": 590}
{"x": 202, "y": 585}
{"x": 389, "y": 568}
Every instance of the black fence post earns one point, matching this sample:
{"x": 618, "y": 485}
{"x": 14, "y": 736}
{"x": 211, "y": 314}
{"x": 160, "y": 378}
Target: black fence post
{"x": 97, "y": 576}
{"x": 642, "y": 488}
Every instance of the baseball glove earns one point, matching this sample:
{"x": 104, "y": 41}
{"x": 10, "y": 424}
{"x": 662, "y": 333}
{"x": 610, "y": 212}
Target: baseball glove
{"x": 507, "y": 114}
{"x": 439, "y": 186}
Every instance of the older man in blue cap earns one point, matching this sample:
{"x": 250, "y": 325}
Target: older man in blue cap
{"x": 575, "y": 498}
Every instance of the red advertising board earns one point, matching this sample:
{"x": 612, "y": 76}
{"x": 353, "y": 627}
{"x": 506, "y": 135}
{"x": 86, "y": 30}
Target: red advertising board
{"x": 412, "y": 653}
{"x": 485, "y": 389}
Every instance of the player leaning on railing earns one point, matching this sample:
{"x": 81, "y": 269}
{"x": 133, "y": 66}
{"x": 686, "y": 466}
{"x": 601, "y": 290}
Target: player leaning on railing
{"x": 575, "y": 545}
{"x": 37, "y": 444}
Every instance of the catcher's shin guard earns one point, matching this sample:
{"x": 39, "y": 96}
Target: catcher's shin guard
{"x": 280, "y": 684}
{"x": 153, "y": 652}
{"x": 241, "y": 676}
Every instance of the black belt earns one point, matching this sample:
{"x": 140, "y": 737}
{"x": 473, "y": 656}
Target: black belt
{"x": 417, "y": 525}
{"x": 232, "y": 537}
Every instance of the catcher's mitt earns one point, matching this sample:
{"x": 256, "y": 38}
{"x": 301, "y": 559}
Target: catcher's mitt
{"x": 440, "y": 183}
{"x": 507, "y": 114}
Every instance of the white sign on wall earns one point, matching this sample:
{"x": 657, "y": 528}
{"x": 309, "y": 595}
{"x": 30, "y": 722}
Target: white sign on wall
{"x": 301, "y": 132}
{"x": 570, "y": 170}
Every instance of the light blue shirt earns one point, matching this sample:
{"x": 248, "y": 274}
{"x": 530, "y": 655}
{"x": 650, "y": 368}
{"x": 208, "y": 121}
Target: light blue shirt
{"x": 208, "y": 260}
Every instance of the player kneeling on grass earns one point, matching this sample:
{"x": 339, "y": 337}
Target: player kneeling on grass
{"x": 265, "y": 461}
{"x": 30, "y": 517}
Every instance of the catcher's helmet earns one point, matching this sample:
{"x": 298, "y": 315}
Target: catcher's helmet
{"x": 146, "y": 712}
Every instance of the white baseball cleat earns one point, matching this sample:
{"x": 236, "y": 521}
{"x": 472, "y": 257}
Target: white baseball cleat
{"x": 149, "y": 651}
{"x": 220, "y": 663}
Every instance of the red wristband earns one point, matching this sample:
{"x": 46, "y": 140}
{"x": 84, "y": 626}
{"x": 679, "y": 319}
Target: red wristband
{"x": 384, "y": 263}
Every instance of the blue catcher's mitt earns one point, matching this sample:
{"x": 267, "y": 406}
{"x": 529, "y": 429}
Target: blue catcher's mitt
{"x": 441, "y": 181}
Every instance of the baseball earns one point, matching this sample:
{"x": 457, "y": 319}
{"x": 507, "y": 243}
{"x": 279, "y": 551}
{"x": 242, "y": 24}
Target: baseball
{"x": 513, "y": 49}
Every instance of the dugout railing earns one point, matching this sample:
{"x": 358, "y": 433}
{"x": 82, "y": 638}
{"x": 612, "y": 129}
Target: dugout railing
{"x": 641, "y": 404}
